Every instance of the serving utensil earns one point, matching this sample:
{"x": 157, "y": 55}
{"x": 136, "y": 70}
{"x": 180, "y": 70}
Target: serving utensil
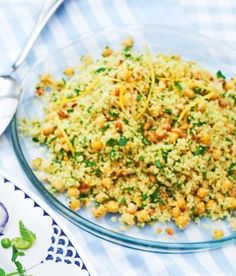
{"x": 9, "y": 92}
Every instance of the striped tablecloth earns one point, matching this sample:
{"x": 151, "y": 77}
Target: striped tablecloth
{"x": 215, "y": 18}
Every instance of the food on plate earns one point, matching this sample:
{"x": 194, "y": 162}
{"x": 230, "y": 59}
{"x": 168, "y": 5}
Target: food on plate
{"x": 4, "y": 217}
{"x": 148, "y": 136}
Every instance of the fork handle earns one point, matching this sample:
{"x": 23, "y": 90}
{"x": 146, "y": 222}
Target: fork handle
{"x": 41, "y": 22}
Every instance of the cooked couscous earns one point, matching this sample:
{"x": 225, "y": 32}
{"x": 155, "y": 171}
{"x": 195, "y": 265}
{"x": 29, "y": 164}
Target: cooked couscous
{"x": 148, "y": 136}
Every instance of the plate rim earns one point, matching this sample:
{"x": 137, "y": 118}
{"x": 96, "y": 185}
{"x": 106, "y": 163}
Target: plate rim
{"x": 100, "y": 231}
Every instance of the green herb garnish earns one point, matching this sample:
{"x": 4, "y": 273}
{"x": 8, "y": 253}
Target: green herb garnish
{"x": 231, "y": 169}
{"x": 168, "y": 111}
{"x": 77, "y": 91}
{"x": 200, "y": 150}
{"x": 158, "y": 164}
{"x": 122, "y": 141}
{"x": 111, "y": 142}
{"x": 197, "y": 90}
{"x": 146, "y": 141}
{"x": 89, "y": 163}
{"x": 219, "y": 75}
{"x": 100, "y": 69}
{"x": 178, "y": 86}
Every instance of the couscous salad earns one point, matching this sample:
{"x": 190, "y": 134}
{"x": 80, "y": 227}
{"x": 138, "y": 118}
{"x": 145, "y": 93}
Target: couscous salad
{"x": 149, "y": 136}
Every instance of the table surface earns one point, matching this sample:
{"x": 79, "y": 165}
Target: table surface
{"x": 213, "y": 18}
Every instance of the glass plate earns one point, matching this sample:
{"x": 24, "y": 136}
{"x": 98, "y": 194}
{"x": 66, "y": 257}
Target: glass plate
{"x": 209, "y": 53}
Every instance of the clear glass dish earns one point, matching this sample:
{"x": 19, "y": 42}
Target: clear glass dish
{"x": 209, "y": 53}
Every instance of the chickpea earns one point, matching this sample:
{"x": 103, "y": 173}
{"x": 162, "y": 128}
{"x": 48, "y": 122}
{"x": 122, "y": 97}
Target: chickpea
{"x": 233, "y": 203}
{"x": 152, "y": 136}
{"x": 128, "y": 99}
{"x": 107, "y": 182}
{"x": 86, "y": 59}
{"x": 227, "y": 185}
{"x": 202, "y": 192}
{"x": 66, "y": 147}
{"x": 100, "y": 197}
{"x": 211, "y": 204}
{"x": 169, "y": 231}
{"x": 112, "y": 206}
{"x": 74, "y": 204}
{"x": 36, "y": 163}
{"x": 96, "y": 145}
{"x": 216, "y": 154}
{"x": 46, "y": 79}
{"x": 73, "y": 192}
{"x": 179, "y": 107}
{"x": 159, "y": 230}
{"x": 151, "y": 169}
{"x": 156, "y": 110}
{"x": 166, "y": 126}
{"x": 214, "y": 96}
{"x": 228, "y": 86}
{"x": 181, "y": 203}
{"x": 184, "y": 126}
{"x": 217, "y": 234}
{"x": 125, "y": 75}
{"x": 182, "y": 221}
{"x": 222, "y": 103}
{"x": 59, "y": 185}
{"x": 128, "y": 43}
{"x": 142, "y": 216}
{"x": 99, "y": 212}
{"x": 182, "y": 134}
{"x": 173, "y": 137}
{"x": 132, "y": 208}
{"x": 161, "y": 134}
{"x": 202, "y": 106}
{"x": 189, "y": 93}
{"x": 101, "y": 122}
{"x": 48, "y": 129}
{"x": 175, "y": 212}
{"x": 107, "y": 52}
{"x": 197, "y": 199}
{"x": 152, "y": 178}
{"x": 206, "y": 139}
{"x": 137, "y": 199}
{"x": 200, "y": 208}
{"x": 147, "y": 125}
{"x": 127, "y": 218}
{"x": 58, "y": 133}
{"x": 69, "y": 72}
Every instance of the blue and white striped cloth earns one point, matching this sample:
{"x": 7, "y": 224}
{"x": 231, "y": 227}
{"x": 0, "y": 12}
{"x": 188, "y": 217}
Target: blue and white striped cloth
{"x": 215, "y": 18}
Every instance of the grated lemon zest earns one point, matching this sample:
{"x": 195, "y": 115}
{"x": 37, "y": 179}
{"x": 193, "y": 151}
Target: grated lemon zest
{"x": 64, "y": 134}
{"x": 150, "y": 64}
{"x": 121, "y": 97}
{"x": 76, "y": 98}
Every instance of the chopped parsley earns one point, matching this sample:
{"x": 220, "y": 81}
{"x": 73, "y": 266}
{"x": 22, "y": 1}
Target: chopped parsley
{"x": 100, "y": 69}
{"x": 111, "y": 142}
{"x": 178, "y": 86}
{"x": 122, "y": 141}
{"x": 200, "y": 150}
{"x": 168, "y": 111}
{"x": 158, "y": 164}
{"x": 220, "y": 75}
{"x": 231, "y": 169}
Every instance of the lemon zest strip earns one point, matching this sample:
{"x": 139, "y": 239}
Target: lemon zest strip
{"x": 64, "y": 135}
